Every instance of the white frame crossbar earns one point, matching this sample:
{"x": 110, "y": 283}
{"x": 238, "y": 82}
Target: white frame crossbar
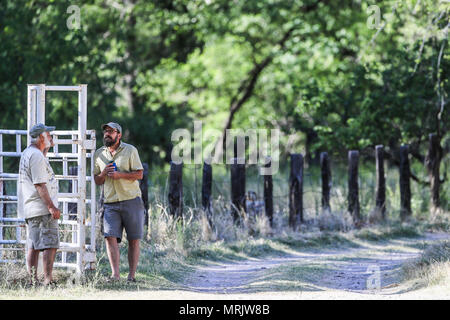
{"x": 83, "y": 147}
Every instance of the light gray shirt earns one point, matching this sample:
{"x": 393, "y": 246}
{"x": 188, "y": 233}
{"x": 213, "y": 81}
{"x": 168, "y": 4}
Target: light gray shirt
{"x": 34, "y": 168}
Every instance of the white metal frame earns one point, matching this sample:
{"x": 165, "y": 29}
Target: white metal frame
{"x": 83, "y": 147}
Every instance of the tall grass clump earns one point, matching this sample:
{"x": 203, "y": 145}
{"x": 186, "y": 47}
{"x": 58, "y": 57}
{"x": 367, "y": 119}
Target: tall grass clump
{"x": 432, "y": 268}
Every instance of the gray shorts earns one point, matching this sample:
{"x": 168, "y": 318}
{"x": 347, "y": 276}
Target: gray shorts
{"x": 43, "y": 232}
{"x": 128, "y": 214}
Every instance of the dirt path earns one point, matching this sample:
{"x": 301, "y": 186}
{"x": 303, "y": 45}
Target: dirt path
{"x": 341, "y": 270}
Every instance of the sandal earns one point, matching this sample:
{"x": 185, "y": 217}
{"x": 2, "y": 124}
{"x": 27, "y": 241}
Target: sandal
{"x": 52, "y": 284}
{"x": 112, "y": 280}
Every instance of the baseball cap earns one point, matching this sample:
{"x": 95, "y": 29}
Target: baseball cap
{"x": 37, "y": 129}
{"x": 112, "y": 125}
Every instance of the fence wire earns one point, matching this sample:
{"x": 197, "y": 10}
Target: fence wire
{"x": 312, "y": 189}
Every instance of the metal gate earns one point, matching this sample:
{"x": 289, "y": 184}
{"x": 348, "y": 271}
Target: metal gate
{"x": 78, "y": 219}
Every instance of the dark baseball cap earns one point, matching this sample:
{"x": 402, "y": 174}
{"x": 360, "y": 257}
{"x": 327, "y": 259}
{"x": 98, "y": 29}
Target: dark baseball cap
{"x": 39, "y": 128}
{"x": 112, "y": 125}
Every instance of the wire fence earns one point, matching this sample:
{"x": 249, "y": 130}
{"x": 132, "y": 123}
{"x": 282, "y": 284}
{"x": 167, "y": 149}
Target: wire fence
{"x": 312, "y": 188}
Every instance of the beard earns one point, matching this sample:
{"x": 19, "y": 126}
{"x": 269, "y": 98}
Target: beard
{"x": 108, "y": 141}
{"x": 47, "y": 143}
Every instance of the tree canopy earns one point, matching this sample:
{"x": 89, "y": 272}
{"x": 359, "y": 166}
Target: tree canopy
{"x": 331, "y": 75}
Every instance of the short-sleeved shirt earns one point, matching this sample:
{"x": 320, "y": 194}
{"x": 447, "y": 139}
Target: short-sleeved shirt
{"x": 127, "y": 160}
{"x": 34, "y": 168}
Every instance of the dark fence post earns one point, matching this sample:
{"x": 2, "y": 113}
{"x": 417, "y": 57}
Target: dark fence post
{"x": 268, "y": 194}
{"x": 206, "y": 188}
{"x": 296, "y": 191}
{"x": 143, "y": 185}
{"x": 326, "y": 180}
{"x": 380, "y": 193}
{"x": 405, "y": 187}
{"x": 176, "y": 189}
{"x": 353, "y": 187}
{"x": 237, "y": 188}
{"x": 432, "y": 162}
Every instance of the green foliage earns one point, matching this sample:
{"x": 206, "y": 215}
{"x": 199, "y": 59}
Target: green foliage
{"x": 335, "y": 84}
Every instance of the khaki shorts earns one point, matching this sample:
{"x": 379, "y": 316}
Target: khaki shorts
{"x": 43, "y": 232}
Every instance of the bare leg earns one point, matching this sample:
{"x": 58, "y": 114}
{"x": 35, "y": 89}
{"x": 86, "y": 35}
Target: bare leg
{"x": 32, "y": 264}
{"x": 112, "y": 248}
{"x": 133, "y": 257}
{"x": 49, "y": 259}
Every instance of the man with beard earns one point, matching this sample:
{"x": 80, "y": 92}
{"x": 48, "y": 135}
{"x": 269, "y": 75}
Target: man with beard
{"x": 37, "y": 194}
{"x": 118, "y": 168}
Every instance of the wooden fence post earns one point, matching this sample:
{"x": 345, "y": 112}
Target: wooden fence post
{"x": 380, "y": 193}
{"x": 206, "y": 188}
{"x": 432, "y": 162}
{"x": 143, "y": 185}
{"x": 176, "y": 189}
{"x": 296, "y": 191}
{"x": 405, "y": 187}
{"x": 268, "y": 194}
{"x": 326, "y": 180}
{"x": 353, "y": 186}
{"x": 237, "y": 188}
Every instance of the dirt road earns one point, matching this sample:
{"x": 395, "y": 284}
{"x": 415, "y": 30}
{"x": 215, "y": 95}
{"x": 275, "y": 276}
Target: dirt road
{"x": 372, "y": 269}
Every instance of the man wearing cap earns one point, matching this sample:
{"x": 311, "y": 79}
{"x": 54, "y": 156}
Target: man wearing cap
{"x": 37, "y": 202}
{"x": 117, "y": 166}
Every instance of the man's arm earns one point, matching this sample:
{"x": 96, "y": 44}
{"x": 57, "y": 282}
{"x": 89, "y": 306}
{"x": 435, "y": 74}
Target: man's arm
{"x": 43, "y": 193}
{"x": 100, "y": 178}
{"x": 133, "y": 175}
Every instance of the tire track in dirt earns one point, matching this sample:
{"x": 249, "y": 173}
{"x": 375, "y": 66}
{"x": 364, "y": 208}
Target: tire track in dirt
{"x": 346, "y": 269}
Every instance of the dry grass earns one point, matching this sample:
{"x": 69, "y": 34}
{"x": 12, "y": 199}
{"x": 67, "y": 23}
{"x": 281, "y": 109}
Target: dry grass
{"x": 432, "y": 268}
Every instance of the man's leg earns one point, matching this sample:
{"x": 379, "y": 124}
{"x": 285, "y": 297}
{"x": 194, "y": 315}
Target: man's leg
{"x": 49, "y": 259}
{"x": 32, "y": 264}
{"x": 133, "y": 257}
{"x": 133, "y": 219}
{"x": 112, "y": 248}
